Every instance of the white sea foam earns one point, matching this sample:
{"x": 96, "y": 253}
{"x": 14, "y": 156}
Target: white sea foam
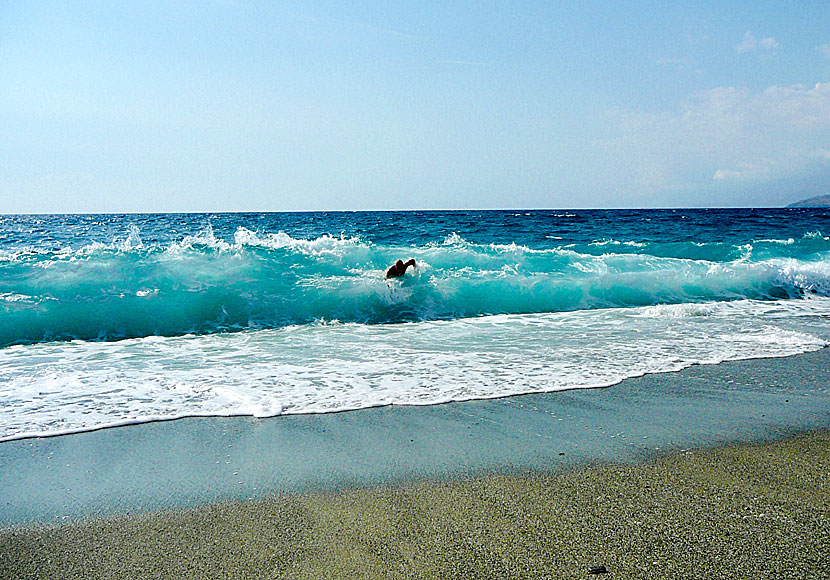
{"x": 57, "y": 388}
{"x": 610, "y": 242}
{"x": 323, "y": 245}
{"x": 787, "y": 242}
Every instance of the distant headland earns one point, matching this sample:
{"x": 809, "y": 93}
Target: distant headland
{"x": 817, "y": 201}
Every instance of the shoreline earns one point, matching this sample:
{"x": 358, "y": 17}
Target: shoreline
{"x": 739, "y": 510}
{"x": 190, "y": 462}
{"x": 139, "y": 422}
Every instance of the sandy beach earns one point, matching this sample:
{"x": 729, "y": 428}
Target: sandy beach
{"x": 341, "y": 290}
{"x": 741, "y": 511}
{"x": 718, "y": 471}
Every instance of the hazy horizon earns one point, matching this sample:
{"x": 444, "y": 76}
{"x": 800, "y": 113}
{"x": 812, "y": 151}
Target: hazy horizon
{"x": 492, "y": 209}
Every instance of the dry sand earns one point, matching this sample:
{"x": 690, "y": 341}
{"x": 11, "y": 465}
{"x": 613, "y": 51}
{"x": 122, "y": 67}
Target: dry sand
{"x": 746, "y": 511}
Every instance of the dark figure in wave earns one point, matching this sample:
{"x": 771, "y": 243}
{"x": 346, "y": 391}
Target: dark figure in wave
{"x": 399, "y": 268}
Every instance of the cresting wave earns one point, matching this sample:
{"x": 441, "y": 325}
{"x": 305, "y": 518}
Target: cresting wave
{"x": 201, "y": 284}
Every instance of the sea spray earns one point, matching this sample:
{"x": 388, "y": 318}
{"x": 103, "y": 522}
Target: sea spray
{"x": 199, "y": 284}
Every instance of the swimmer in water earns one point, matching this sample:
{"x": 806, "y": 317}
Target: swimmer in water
{"x": 399, "y": 268}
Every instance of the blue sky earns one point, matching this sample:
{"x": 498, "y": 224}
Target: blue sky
{"x": 261, "y": 106}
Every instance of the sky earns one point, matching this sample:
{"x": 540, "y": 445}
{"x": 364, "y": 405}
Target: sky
{"x": 290, "y": 106}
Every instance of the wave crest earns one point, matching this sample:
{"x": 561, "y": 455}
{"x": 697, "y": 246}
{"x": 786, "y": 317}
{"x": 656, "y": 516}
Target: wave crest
{"x": 203, "y": 284}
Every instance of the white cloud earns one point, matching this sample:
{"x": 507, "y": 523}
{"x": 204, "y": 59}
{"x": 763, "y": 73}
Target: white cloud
{"x": 749, "y": 43}
{"x": 746, "y": 171}
{"x": 721, "y": 174}
{"x": 824, "y": 49}
{"x": 725, "y": 133}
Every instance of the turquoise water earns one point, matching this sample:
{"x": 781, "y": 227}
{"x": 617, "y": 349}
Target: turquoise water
{"x": 109, "y": 320}
{"x": 114, "y": 277}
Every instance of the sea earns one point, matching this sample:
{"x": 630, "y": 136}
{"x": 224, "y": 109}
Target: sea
{"x": 110, "y": 320}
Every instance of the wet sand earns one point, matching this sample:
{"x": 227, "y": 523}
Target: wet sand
{"x": 740, "y": 511}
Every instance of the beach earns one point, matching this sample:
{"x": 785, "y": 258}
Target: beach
{"x": 415, "y": 291}
{"x": 731, "y": 480}
{"x": 743, "y": 511}
{"x": 642, "y": 394}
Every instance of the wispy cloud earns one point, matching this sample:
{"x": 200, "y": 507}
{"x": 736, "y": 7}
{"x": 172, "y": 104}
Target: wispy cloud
{"x": 725, "y": 133}
{"x": 746, "y": 170}
{"x": 749, "y": 42}
{"x": 824, "y": 49}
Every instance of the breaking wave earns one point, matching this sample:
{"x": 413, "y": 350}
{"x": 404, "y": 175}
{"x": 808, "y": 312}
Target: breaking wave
{"x": 201, "y": 284}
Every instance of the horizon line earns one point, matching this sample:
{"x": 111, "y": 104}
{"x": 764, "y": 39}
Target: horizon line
{"x": 435, "y": 210}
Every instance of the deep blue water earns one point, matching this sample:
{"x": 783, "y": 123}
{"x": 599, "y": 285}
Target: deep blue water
{"x": 537, "y": 229}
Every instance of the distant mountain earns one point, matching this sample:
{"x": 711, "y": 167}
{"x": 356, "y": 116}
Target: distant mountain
{"x": 817, "y": 201}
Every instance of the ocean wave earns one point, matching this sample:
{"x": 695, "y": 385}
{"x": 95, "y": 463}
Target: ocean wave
{"x": 201, "y": 283}
{"x": 55, "y": 389}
